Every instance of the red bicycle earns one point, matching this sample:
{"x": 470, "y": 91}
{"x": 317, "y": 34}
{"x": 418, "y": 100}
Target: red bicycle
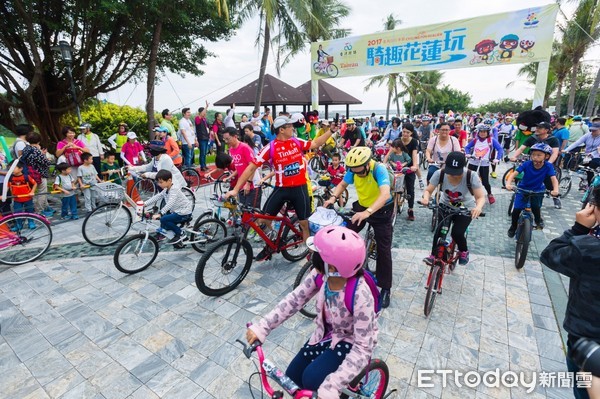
{"x": 226, "y": 263}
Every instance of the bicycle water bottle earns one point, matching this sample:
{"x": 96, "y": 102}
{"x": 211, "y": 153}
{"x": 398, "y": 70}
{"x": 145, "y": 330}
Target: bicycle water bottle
{"x": 279, "y": 376}
{"x": 139, "y": 209}
{"x": 444, "y": 230}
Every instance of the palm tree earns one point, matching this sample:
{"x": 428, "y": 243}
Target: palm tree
{"x": 560, "y": 64}
{"x": 579, "y": 34}
{"x": 284, "y": 25}
{"x": 429, "y": 84}
{"x": 411, "y": 83}
{"x": 529, "y": 72}
{"x": 593, "y": 93}
{"x": 390, "y": 80}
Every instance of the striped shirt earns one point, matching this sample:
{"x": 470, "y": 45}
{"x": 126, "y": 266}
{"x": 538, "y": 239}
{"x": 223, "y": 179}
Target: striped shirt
{"x": 175, "y": 201}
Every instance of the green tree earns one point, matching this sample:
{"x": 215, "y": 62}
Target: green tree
{"x": 529, "y": 72}
{"x": 390, "y": 80}
{"x": 505, "y": 105}
{"x": 112, "y": 41}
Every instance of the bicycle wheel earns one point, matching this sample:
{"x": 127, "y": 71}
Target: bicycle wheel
{"x": 434, "y": 219}
{"x": 436, "y": 276}
{"x": 505, "y": 176}
{"x": 316, "y": 164}
{"x": 106, "y": 224}
{"x": 332, "y": 71}
{"x": 192, "y": 178}
{"x": 297, "y": 251}
{"x": 371, "y": 245}
{"x": 372, "y": 381}
{"x": 564, "y": 186}
{"x": 190, "y": 195}
{"x": 557, "y": 172}
{"x": 145, "y": 189}
{"x": 136, "y": 253}
{"x": 511, "y": 205}
{"x": 206, "y": 232}
{"x": 401, "y": 203}
{"x": 318, "y": 201}
{"x": 523, "y": 238}
{"x": 310, "y": 308}
{"x": 219, "y": 271}
{"x": 451, "y": 256}
{"x": 24, "y": 239}
{"x": 204, "y": 215}
{"x": 343, "y": 200}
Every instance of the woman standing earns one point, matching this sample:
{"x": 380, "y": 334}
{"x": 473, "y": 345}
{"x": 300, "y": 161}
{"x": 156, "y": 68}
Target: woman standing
{"x": 71, "y": 149}
{"x": 411, "y": 147}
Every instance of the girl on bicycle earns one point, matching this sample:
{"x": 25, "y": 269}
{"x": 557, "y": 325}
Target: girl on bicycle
{"x": 455, "y": 191}
{"x": 438, "y": 147}
{"x": 343, "y": 342}
{"x": 480, "y": 152}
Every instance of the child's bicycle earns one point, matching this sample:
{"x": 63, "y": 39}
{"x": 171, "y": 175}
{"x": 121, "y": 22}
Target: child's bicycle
{"x": 138, "y": 251}
{"x": 399, "y": 194}
{"x": 322, "y": 190}
{"x": 24, "y": 237}
{"x": 219, "y": 270}
{"x": 370, "y": 383}
{"x": 445, "y": 253}
{"x": 525, "y": 226}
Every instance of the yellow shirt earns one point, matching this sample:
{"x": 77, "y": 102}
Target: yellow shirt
{"x": 367, "y": 188}
{"x": 330, "y": 141}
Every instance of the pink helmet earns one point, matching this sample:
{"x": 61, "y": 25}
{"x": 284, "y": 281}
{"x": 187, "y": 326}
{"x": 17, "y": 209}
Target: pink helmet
{"x": 342, "y": 248}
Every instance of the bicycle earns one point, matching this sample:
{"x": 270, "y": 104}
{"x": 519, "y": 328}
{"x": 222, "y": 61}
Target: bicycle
{"x": 516, "y": 164}
{"x": 308, "y": 309}
{"x": 370, "y": 383}
{"x": 220, "y": 260}
{"x": 524, "y": 227}
{"x": 445, "y": 254}
{"x": 588, "y": 188}
{"x": 24, "y": 237}
{"x": 139, "y": 251}
{"x": 110, "y": 222}
{"x": 145, "y": 188}
{"x": 323, "y": 191}
{"x": 399, "y": 195}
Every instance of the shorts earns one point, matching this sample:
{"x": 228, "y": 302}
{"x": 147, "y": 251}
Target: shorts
{"x": 297, "y": 196}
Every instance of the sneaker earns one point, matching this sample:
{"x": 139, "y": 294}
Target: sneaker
{"x": 557, "y": 203}
{"x": 511, "y": 232}
{"x": 264, "y": 254}
{"x": 385, "y": 298}
{"x": 15, "y": 228}
{"x": 32, "y": 225}
{"x": 421, "y": 184}
{"x": 176, "y": 239}
{"x": 463, "y": 257}
{"x": 411, "y": 215}
{"x": 540, "y": 225}
{"x": 74, "y": 217}
{"x": 64, "y": 217}
{"x": 491, "y": 199}
{"x": 429, "y": 260}
{"x": 494, "y": 175}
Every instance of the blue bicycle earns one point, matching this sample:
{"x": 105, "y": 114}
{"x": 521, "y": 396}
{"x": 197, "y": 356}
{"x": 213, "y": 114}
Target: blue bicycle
{"x": 524, "y": 226}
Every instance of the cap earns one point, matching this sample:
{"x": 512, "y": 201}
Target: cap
{"x": 161, "y": 129}
{"x": 577, "y": 118}
{"x": 280, "y": 121}
{"x": 350, "y": 121}
{"x": 85, "y": 126}
{"x": 131, "y": 135}
{"x": 544, "y": 125}
{"x": 595, "y": 126}
{"x": 455, "y": 163}
{"x": 297, "y": 117}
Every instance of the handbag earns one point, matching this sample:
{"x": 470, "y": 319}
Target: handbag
{"x": 73, "y": 157}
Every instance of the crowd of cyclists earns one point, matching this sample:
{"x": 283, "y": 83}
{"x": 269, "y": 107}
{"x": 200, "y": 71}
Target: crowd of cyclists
{"x": 460, "y": 152}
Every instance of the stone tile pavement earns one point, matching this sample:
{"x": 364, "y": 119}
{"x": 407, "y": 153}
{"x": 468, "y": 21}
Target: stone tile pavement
{"x": 77, "y": 328}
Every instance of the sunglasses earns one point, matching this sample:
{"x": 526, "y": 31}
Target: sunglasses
{"x": 362, "y": 171}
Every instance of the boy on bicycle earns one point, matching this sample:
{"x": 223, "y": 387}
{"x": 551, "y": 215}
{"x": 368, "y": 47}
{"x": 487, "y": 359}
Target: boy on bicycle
{"x": 177, "y": 207}
{"x": 455, "y": 191}
{"x": 535, "y": 171}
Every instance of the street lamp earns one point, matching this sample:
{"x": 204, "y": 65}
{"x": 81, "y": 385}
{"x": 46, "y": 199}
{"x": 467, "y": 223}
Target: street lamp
{"x": 66, "y": 52}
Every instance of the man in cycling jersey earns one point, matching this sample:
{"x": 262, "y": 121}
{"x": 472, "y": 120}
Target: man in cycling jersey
{"x": 374, "y": 205}
{"x": 286, "y": 155}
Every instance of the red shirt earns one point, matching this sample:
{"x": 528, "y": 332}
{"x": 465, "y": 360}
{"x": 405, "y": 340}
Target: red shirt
{"x": 461, "y": 136}
{"x": 336, "y": 174}
{"x": 288, "y": 161}
{"x": 242, "y": 155}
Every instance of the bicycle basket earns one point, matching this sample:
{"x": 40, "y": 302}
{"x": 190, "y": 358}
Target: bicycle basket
{"x": 109, "y": 191}
{"x": 323, "y": 217}
{"x": 330, "y": 59}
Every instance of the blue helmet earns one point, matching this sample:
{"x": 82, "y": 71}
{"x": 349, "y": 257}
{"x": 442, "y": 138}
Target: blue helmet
{"x": 543, "y": 147}
{"x": 488, "y": 121}
{"x": 483, "y": 127}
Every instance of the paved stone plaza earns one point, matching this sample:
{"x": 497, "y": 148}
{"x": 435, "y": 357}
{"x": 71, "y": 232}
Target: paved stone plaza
{"x": 75, "y": 327}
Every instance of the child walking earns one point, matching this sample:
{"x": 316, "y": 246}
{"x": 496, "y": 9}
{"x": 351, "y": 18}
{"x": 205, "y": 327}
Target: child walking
{"x": 22, "y": 187}
{"x": 87, "y": 176}
{"x": 65, "y": 183}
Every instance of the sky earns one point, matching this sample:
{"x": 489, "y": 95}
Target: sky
{"x": 237, "y": 60}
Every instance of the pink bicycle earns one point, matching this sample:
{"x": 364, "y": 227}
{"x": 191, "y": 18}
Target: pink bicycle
{"x": 24, "y": 237}
{"x": 371, "y": 383}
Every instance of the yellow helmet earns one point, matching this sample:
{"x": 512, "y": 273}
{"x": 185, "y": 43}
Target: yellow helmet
{"x": 358, "y": 156}
{"x": 350, "y": 121}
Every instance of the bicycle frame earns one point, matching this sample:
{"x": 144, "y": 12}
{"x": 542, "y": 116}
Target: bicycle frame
{"x": 249, "y": 220}
{"x": 526, "y": 213}
{"x": 10, "y": 239}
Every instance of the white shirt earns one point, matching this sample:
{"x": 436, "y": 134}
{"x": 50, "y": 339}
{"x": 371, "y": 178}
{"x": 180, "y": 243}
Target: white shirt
{"x": 188, "y": 131}
{"x": 93, "y": 144}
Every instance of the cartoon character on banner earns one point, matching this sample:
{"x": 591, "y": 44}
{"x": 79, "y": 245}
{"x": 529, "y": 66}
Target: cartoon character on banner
{"x": 507, "y": 44}
{"x": 484, "y": 50}
{"x": 526, "y": 45}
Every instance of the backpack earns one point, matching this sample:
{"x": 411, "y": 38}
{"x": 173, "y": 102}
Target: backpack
{"x": 13, "y": 151}
{"x": 469, "y": 184}
{"x": 272, "y": 149}
{"x": 388, "y": 170}
{"x": 350, "y": 290}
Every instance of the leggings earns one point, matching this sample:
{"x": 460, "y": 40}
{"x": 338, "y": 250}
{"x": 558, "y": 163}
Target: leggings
{"x": 484, "y": 174}
{"x": 537, "y": 216}
{"x": 458, "y": 231}
{"x": 314, "y": 363}
{"x": 409, "y": 182}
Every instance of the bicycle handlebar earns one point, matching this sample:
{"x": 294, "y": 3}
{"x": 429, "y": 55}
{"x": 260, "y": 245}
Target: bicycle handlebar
{"x": 462, "y": 210}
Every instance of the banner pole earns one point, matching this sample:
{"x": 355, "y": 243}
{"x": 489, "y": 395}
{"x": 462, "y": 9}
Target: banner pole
{"x": 541, "y": 81}
{"x": 314, "y": 94}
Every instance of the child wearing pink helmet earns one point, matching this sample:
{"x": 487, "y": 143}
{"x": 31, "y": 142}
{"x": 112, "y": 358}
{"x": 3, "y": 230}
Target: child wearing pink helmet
{"x": 344, "y": 340}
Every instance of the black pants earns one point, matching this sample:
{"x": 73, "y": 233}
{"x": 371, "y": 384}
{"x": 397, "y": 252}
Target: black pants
{"x": 484, "y": 175}
{"x": 96, "y": 162}
{"x": 409, "y": 182}
{"x": 459, "y": 228}
{"x": 381, "y": 221}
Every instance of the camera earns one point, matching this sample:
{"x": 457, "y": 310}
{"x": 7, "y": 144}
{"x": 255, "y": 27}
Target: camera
{"x": 586, "y": 355}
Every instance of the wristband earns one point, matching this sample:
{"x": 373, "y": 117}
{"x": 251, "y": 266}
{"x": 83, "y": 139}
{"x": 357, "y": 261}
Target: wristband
{"x": 370, "y": 211}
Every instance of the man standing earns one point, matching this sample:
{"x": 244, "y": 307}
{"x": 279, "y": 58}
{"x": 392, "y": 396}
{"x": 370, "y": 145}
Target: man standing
{"x": 92, "y": 142}
{"x": 202, "y": 135}
{"x": 188, "y": 137}
{"x": 166, "y": 122}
